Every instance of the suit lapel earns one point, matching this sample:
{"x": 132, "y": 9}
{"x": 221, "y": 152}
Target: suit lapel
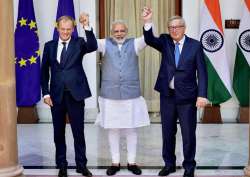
{"x": 171, "y": 44}
{"x": 54, "y": 51}
{"x": 184, "y": 51}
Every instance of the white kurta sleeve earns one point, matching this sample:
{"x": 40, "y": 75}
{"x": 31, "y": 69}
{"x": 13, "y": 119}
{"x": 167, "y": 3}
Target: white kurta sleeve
{"x": 139, "y": 44}
{"x": 101, "y": 43}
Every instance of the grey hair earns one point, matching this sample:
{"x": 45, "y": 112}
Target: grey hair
{"x": 177, "y": 17}
{"x": 116, "y": 22}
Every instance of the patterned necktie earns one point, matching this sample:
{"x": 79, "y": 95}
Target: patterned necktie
{"x": 63, "y": 54}
{"x": 177, "y": 53}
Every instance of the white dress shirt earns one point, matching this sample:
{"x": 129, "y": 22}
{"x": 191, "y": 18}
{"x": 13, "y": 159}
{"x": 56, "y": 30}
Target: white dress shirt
{"x": 60, "y": 47}
{"x": 181, "y": 43}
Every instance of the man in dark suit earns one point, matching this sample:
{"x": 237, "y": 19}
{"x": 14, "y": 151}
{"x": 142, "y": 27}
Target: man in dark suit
{"x": 180, "y": 95}
{"x": 62, "y": 65}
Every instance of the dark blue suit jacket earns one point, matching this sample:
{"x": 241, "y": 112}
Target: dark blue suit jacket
{"x": 70, "y": 74}
{"x": 185, "y": 75}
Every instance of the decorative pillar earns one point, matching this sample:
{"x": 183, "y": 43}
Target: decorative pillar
{"x": 8, "y": 116}
{"x": 247, "y": 169}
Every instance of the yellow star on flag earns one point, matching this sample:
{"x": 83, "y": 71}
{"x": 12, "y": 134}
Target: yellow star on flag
{"x": 32, "y": 59}
{"x": 38, "y": 52}
{"x": 56, "y": 25}
{"x": 32, "y": 24}
{"x": 23, "y": 22}
{"x": 22, "y": 62}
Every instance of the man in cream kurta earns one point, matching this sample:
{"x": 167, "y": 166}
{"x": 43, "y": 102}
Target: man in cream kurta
{"x": 122, "y": 108}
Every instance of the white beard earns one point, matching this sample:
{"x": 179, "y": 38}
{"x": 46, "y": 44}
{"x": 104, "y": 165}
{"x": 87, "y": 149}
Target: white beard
{"x": 119, "y": 41}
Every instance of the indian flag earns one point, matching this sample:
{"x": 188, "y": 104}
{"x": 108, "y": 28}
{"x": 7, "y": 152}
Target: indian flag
{"x": 212, "y": 39}
{"x": 242, "y": 60}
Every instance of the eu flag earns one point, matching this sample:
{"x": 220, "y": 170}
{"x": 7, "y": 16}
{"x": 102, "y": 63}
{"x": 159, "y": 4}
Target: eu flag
{"x": 27, "y": 56}
{"x": 65, "y": 7}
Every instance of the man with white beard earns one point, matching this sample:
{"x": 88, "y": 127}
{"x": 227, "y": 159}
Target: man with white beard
{"x": 122, "y": 108}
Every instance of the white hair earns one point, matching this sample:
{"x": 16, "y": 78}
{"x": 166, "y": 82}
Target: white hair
{"x": 176, "y": 17}
{"x": 116, "y": 22}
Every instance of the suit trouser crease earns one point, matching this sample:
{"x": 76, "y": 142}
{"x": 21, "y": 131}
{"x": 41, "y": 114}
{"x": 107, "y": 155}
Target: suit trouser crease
{"x": 170, "y": 111}
{"x": 75, "y": 110}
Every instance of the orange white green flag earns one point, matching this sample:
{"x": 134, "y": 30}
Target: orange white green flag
{"x": 242, "y": 60}
{"x": 212, "y": 39}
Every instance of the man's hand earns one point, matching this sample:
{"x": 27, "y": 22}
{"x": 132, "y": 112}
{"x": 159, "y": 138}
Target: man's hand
{"x": 48, "y": 101}
{"x": 147, "y": 15}
{"x": 84, "y": 19}
{"x": 201, "y": 102}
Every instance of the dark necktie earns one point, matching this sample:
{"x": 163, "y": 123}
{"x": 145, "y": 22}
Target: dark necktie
{"x": 63, "y": 54}
{"x": 177, "y": 53}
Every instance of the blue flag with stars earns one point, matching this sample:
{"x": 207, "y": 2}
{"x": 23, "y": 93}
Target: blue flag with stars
{"x": 65, "y": 7}
{"x": 27, "y": 56}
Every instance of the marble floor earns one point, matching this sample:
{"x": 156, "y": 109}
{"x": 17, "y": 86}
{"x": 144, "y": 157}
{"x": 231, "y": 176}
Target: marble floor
{"x": 221, "y": 149}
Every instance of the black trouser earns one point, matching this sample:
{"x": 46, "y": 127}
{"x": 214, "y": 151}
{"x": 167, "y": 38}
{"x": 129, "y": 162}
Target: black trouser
{"x": 75, "y": 110}
{"x": 186, "y": 113}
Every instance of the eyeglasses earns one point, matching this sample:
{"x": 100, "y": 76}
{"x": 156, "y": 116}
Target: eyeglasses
{"x": 175, "y": 27}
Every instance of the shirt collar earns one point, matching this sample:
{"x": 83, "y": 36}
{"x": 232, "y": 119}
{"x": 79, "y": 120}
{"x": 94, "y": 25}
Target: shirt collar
{"x": 60, "y": 41}
{"x": 181, "y": 42}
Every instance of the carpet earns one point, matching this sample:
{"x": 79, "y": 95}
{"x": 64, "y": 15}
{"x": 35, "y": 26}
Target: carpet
{"x": 137, "y": 176}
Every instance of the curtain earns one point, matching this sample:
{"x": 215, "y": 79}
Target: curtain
{"x": 149, "y": 59}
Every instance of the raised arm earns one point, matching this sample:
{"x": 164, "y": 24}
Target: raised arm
{"x": 91, "y": 43}
{"x": 149, "y": 37}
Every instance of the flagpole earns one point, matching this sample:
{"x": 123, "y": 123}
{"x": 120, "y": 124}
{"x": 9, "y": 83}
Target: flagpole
{"x": 247, "y": 169}
{"x": 8, "y": 132}
{"x": 211, "y": 114}
{"x": 27, "y": 115}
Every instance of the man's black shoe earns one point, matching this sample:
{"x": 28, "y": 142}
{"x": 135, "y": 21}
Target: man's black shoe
{"x": 62, "y": 172}
{"x": 112, "y": 170}
{"x": 166, "y": 171}
{"x": 188, "y": 174}
{"x": 134, "y": 169}
{"x": 84, "y": 171}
